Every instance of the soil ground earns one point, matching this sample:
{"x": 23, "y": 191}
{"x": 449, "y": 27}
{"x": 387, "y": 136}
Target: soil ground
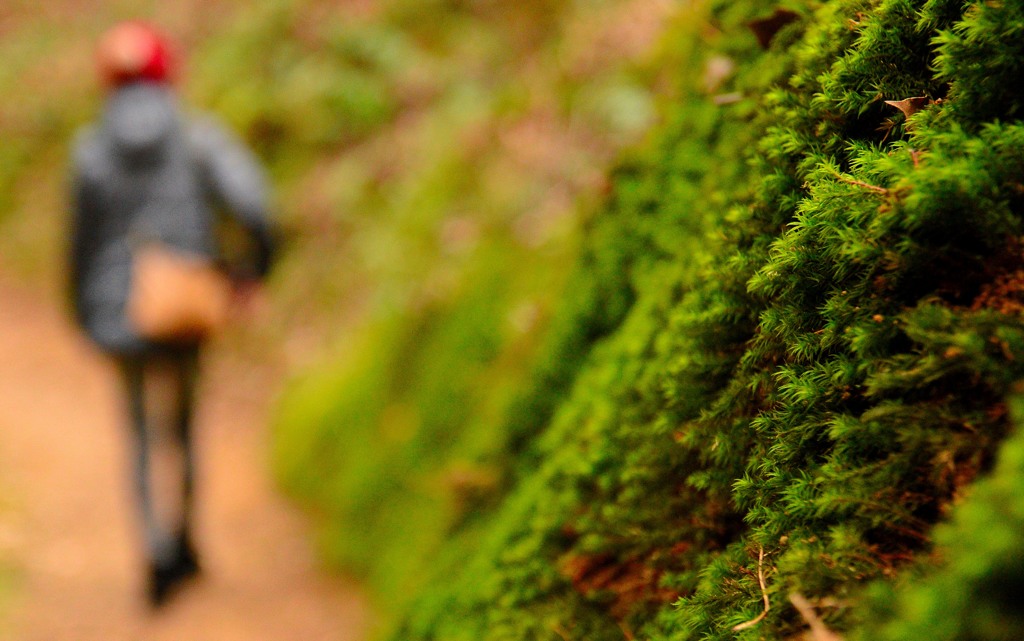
{"x": 68, "y": 537}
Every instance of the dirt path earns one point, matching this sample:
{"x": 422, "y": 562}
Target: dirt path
{"x": 65, "y": 521}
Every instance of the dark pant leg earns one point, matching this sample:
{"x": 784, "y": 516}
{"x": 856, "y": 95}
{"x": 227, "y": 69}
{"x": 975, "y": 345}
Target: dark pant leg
{"x": 159, "y": 543}
{"x": 187, "y": 374}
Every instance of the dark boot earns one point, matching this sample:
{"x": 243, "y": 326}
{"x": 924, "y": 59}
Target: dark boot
{"x": 187, "y": 561}
{"x": 165, "y": 578}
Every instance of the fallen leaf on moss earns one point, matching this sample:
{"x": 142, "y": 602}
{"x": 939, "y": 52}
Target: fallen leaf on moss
{"x": 910, "y": 106}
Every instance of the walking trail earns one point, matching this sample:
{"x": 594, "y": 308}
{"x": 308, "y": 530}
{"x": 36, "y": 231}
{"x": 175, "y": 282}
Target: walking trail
{"x": 71, "y": 564}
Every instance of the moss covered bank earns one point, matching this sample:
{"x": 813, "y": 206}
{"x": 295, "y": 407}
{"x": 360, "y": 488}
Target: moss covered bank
{"x": 790, "y": 348}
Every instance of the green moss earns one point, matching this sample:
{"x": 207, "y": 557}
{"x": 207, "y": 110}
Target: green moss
{"x": 784, "y": 350}
{"x": 973, "y": 593}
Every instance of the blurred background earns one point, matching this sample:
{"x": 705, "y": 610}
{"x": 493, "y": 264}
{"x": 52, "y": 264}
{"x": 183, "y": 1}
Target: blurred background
{"x": 433, "y": 162}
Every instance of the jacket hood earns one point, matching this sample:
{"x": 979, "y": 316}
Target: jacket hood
{"x": 140, "y": 121}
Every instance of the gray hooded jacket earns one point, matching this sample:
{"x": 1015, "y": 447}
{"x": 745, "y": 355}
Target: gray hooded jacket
{"x": 145, "y": 173}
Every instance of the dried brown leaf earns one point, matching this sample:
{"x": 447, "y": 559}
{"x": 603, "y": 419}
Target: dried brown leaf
{"x": 910, "y": 106}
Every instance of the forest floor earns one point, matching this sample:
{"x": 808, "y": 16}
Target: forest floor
{"x": 69, "y": 558}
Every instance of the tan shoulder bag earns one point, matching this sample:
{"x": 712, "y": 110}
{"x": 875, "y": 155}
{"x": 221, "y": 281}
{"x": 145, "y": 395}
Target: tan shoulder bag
{"x": 176, "y": 296}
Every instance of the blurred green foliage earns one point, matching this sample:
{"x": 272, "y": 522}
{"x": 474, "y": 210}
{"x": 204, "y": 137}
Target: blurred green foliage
{"x": 463, "y": 211}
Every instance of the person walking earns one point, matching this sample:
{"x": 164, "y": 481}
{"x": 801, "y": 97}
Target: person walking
{"x": 147, "y": 184}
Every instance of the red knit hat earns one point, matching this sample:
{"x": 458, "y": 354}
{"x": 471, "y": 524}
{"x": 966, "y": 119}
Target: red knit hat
{"x": 133, "y": 51}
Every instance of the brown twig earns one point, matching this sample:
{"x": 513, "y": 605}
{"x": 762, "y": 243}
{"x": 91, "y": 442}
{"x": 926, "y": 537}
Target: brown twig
{"x": 858, "y": 183}
{"x": 819, "y": 632}
{"x": 764, "y": 594}
{"x": 626, "y": 632}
